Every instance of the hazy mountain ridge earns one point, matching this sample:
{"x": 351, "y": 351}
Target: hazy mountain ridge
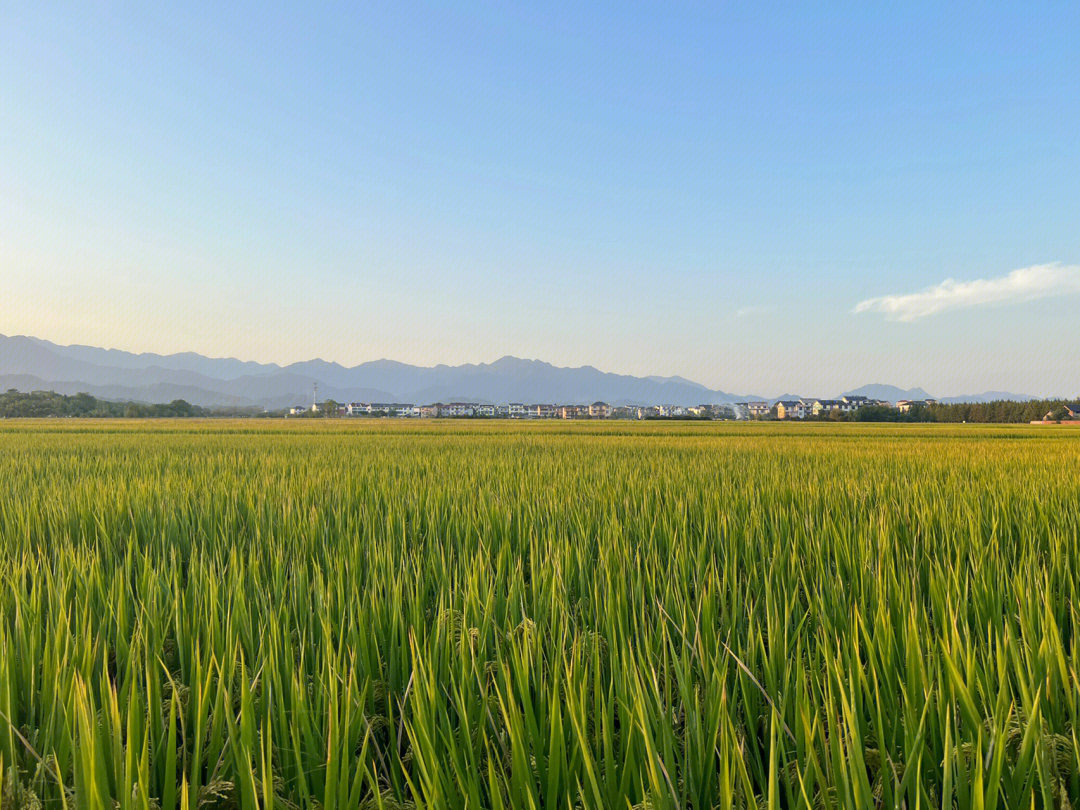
{"x": 219, "y": 367}
{"x": 889, "y": 393}
{"x": 30, "y": 363}
{"x": 115, "y": 374}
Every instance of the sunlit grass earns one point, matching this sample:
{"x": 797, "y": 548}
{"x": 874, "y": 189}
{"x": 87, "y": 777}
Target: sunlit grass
{"x": 219, "y": 614}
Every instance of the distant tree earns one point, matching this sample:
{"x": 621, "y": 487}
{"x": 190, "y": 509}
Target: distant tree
{"x": 82, "y": 404}
{"x": 179, "y": 407}
{"x": 49, "y": 403}
{"x": 876, "y": 413}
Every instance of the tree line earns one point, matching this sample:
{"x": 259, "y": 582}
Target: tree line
{"x": 1001, "y": 411}
{"x": 17, "y": 404}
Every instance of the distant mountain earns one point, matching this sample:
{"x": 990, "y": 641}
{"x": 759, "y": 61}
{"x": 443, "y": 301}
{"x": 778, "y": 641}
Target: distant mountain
{"x": 184, "y": 361}
{"x": 28, "y": 363}
{"x": 889, "y": 393}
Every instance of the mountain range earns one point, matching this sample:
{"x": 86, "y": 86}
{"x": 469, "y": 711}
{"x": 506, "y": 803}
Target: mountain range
{"x": 890, "y": 393}
{"x": 29, "y": 363}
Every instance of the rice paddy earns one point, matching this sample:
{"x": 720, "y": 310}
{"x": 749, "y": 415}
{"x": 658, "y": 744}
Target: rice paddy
{"x": 490, "y": 615}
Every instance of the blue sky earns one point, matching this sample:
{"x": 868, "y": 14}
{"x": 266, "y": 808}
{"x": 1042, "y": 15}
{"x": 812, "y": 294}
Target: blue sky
{"x": 745, "y": 194}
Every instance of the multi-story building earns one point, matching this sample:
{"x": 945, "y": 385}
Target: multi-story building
{"x": 790, "y": 409}
{"x": 756, "y": 410}
{"x": 599, "y": 410}
{"x": 821, "y": 406}
{"x": 457, "y": 409}
{"x": 856, "y": 402}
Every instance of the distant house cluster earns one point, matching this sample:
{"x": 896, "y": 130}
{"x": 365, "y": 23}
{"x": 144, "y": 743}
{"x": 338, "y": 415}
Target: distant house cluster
{"x": 775, "y": 409}
{"x": 804, "y": 408}
{"x": 519, "y": 410}
{"x": 784, "y": 409}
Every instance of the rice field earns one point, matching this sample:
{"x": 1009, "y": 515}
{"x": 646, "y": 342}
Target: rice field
{"x": 491, "y": 615}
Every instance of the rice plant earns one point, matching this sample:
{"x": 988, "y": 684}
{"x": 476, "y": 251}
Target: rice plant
{"x": 448, "y": 615}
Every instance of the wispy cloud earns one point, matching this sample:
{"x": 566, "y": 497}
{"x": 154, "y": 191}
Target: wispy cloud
{"x": 1025, "y": 284}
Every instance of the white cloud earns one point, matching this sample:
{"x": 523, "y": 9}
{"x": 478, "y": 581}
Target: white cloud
{"x": 1025, "y": 284}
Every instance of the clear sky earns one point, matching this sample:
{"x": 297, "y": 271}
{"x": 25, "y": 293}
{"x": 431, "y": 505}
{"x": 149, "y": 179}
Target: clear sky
{"x": 759, "y": 197}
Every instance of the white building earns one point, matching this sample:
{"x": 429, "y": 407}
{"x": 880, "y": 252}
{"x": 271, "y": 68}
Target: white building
{"x": 457, "y": 409}
{"x": 757, "y": 409}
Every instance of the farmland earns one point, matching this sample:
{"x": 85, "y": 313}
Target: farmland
{"x": 491, "y": 615}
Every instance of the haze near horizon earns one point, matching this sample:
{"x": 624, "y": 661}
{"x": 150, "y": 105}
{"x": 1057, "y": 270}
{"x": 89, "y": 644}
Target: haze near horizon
{"x": 757, "y": 199}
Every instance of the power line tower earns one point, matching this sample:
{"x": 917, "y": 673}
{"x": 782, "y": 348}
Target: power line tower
{"x": 314, "y": 397}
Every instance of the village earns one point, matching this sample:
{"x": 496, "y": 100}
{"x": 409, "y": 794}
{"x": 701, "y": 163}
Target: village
{"x": 760, "y": 410}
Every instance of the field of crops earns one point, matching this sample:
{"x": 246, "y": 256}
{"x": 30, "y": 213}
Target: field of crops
{"x": 489, "y": 615}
